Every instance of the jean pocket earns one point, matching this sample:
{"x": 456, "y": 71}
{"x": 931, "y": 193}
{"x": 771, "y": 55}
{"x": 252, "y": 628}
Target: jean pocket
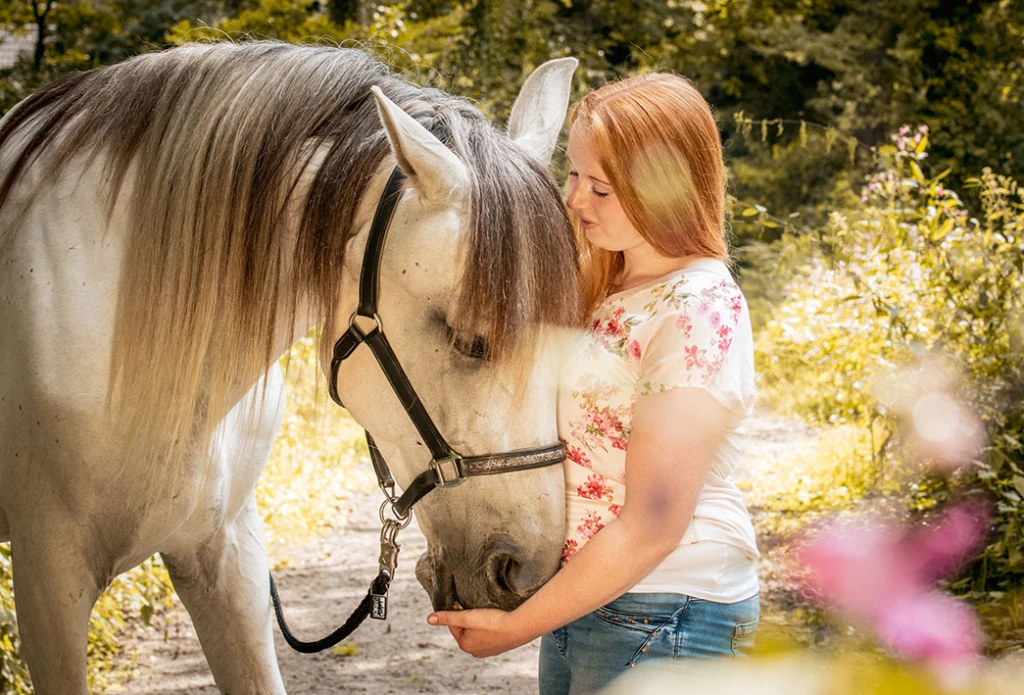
{"x": 631, "y": 621}
{"x": 644, "y": 636}
{"x": 743, "y": 637}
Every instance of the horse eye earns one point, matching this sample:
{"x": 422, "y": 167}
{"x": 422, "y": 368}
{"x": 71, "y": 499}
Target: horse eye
{"x": 474, "y": 347}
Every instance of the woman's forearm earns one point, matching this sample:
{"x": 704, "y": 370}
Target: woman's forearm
{"x": 606, "y": 567}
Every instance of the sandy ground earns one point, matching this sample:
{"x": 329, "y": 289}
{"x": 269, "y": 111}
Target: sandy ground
{"x": 326, "y": 580}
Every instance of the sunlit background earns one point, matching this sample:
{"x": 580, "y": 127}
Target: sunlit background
{"x": 874, "y": 152}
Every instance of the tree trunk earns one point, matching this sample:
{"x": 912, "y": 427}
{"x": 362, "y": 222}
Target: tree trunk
{"x": 341, "y": 11}
{"x": 40, "y": 17}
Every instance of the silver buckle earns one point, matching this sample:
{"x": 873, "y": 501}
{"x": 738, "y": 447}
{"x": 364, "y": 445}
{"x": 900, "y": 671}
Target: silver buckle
{"x": 448, "y": 471}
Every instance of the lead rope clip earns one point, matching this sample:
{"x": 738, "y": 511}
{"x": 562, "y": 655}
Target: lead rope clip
{"x": 388, "y": 559}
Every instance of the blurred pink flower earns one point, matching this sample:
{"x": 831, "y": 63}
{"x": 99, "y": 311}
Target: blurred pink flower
{"x": 882, "y": 576}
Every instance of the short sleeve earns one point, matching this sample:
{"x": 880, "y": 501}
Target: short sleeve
{"x": 702, "y": 340}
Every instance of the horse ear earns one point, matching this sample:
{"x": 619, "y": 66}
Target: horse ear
{"x": 434, "y": 170}
{"x": 539, "y": 111}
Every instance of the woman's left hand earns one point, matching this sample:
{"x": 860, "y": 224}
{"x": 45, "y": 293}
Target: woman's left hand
{"x": 483, "y": 631}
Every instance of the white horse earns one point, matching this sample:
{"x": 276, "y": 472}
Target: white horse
{"x": 169, "y": 226}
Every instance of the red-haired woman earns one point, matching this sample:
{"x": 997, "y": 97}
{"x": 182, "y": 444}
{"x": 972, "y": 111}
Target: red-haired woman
{"x": 650, "y": 403}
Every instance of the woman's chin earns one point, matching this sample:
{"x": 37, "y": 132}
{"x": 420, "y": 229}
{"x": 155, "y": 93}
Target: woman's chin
{"x": 597, "y": 237}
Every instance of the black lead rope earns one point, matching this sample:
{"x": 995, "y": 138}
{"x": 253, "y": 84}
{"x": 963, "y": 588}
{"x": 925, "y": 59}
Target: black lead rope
{"x": 369, "y": 604}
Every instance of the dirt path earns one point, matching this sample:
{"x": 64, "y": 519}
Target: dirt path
{"x": 404, "y": 655}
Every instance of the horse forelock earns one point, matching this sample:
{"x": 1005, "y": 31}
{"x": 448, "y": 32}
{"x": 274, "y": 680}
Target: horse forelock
{"x": 521, "y": 267}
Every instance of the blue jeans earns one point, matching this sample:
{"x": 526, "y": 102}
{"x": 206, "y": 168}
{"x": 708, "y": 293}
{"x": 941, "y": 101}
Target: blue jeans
{"x": 587, "y": 655}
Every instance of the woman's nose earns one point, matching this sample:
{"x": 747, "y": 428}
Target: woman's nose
{"x": 575, "y": 198}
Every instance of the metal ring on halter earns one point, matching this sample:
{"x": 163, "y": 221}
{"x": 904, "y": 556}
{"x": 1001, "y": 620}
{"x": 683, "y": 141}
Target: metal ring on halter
{"x": 400, "y": 520}
{"x": 375, "y": 318}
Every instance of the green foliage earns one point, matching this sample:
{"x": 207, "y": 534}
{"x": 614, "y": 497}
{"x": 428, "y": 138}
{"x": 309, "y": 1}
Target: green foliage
{"x": 422, "y": 49}
{"x": 900, "y": 274}
{"x": 13, "y": 672}
{"x": 135, "y": 595}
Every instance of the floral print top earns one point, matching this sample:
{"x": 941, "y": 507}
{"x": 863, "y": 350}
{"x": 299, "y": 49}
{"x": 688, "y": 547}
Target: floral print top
{"x": 687, "y": 329}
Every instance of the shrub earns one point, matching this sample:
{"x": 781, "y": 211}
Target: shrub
{"x": 903, "y": 274}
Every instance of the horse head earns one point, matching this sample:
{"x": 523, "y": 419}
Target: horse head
{"x": 478, "y": 272}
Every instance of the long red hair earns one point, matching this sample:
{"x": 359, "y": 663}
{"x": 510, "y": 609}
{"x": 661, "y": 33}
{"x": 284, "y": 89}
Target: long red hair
{"x": 659, "y": 145}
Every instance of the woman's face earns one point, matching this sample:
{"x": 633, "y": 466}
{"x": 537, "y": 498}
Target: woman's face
{"x": 593, "y": 200}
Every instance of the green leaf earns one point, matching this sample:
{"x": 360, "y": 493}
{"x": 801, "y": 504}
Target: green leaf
{"x": 1018, "y": 483}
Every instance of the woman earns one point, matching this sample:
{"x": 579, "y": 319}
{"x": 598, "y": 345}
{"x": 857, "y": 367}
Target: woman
{"x": 649, "y": 404}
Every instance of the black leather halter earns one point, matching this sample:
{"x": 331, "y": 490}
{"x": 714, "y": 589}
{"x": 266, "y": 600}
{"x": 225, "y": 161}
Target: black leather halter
{"x": 447, "y": 467}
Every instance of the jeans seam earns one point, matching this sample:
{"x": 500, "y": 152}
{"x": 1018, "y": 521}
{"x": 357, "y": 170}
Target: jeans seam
{"x": 740, "y": 631}
{"x": 680, "y": 631}
{"x": 561, "y": 636}
{"x": 663, "y": 626}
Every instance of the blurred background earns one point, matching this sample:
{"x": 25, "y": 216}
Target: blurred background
{"x": 874, "y": 151}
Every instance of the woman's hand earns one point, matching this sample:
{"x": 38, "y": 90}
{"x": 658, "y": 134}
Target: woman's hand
{"x": 483, "y": 631}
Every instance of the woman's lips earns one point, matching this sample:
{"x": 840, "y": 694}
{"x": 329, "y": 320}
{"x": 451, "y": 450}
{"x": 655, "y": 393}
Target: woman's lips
{"x": 587, "y": 224}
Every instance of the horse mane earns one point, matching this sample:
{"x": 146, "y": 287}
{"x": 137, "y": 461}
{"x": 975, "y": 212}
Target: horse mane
{"x": 214, "y": 139}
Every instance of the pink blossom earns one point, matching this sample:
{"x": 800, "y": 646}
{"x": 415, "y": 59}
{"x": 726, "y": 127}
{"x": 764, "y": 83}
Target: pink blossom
{"x": 577, "y": 456}
{"x": 684, "y": 324}
{"x": 604, "y": 421}
{"x": 931, "y": 626}
{"x": 715, "y": 319}
{"x": 618, "y": 443}
{"x": 615, "y": 326}
{"x": 883, "y": 575}
{"x": 615, "y": 509}
{"x": 569, "y": 549}
{"x": 595, "y": 488}
{"x": 634, "y": 349}
{"x": 694, "y": 356}
{"x": 591, "y": 525}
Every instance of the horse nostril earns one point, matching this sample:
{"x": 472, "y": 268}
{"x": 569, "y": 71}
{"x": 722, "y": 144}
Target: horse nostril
{"x": 505, "y": 573}
{"x": 510, "y": 577}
